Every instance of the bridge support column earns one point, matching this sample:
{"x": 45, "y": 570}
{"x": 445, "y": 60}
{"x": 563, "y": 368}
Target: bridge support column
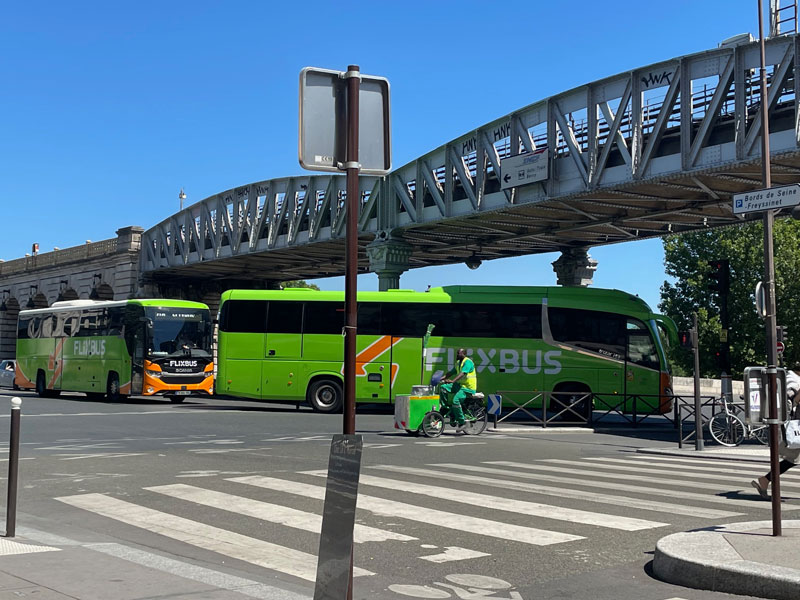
{"x": 388, "y": 259}
{"x": 575, "y": 267}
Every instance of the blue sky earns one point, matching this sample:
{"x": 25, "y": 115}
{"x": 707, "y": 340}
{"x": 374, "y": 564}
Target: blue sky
{"x": 110, "y": 108}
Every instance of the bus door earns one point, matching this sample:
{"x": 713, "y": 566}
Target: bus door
{"x": 58, "y": 327}
{"x": 140, "y": 345}
{"x": 642, "y": 368}
{"x": 283, "y": 347}
{"x": 405, "y": 368}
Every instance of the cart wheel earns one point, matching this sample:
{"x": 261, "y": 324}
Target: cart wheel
{"x": 433, "y": 424}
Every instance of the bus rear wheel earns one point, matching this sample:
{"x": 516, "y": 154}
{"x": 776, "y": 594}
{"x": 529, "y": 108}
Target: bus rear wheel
{"x": 41, "y": 385}
{"x": 325, "y": 396}
{"x": 572, "y": 401}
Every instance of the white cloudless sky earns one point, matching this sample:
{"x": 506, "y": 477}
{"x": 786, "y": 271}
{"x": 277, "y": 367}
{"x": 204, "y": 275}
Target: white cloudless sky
{"x": 110, "y": 108}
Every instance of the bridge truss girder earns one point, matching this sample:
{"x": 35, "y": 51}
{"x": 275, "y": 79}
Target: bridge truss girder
{"x": 628, "y": 160}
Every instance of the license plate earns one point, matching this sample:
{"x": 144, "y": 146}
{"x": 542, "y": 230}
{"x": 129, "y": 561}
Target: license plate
{"x": 182, "y": 393}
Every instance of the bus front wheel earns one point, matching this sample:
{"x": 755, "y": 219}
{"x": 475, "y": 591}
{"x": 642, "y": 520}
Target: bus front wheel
{"x": 112, "y": 388}
{"x": 325, "y": 396}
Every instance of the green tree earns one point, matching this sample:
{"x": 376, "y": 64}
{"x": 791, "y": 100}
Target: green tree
{"x": 300, "y": 283}
{"x": 686, "y": 259}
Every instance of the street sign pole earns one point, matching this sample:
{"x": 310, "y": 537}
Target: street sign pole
{"x": 351, "y": 251}
{"x": 769, "y": 293}
{"x": 353, "y": 77}
{"x": 698, "y": 408}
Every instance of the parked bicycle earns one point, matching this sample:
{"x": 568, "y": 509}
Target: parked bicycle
{"x": 729, "y": 428}
{"x": 474, "y": 407}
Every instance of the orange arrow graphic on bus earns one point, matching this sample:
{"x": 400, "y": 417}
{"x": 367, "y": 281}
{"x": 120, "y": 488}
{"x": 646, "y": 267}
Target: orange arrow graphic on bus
{"x": 53, "y": 366}
{"x": 373, "y": 351}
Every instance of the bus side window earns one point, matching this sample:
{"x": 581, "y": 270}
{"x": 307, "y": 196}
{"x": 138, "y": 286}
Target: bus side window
{"x": 115, "y": 320}
{"x": 517, "y": 321}
{"x": 597, "y": 331}
{"x": 285, "y": 317}
{"x": 244, "y": 316}
{"x": 320, "y": 317}
{"x": 369, "y": 318}
{"x": 23, "y": 329}
{"x": 641, "y": 349}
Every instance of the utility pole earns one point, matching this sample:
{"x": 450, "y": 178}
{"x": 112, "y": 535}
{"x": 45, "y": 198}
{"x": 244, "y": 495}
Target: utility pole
{"x": 769, "y": 292}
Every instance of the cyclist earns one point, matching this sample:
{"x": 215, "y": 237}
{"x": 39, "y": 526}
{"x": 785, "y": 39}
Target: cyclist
{"x": 458, "y": 383}
{"x": 789, "y": 457}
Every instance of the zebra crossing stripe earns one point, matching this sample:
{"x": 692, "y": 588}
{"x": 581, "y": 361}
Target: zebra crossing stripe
{"x": 453, "y": 553}
{"x": 521, "y": 507}
{"x": 598, "y": 474}
{"x": 712, "y": 464}
{"x": 421, "y": 514}
{"x": 585, "y": 482}
{"x": 273, "y": 513}
{"x": 620, "y": 464}
{"x": 666, "y": 507}
{"x": 683, "y": 483}
{"x": 241, "y": 547}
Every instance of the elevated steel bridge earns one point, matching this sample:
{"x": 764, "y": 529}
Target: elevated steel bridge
{"x": 649, "y": 152}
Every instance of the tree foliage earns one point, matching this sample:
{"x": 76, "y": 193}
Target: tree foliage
{"x": 300, "y": 283}
{"x": 686, "y": 259}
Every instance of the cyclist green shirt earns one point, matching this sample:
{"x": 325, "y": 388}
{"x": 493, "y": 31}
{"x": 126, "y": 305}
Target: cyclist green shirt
{"x": 453, "y": 391}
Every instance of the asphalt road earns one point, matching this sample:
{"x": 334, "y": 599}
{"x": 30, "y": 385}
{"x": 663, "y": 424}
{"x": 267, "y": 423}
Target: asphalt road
{"x": 544, "y": 515}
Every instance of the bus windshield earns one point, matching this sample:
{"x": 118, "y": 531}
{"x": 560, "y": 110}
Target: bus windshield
{"x": 179, "y": 332}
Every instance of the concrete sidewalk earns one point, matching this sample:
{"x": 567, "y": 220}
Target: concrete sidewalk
{"x": 47, "y": 567}
{"x": 739, "y": 558}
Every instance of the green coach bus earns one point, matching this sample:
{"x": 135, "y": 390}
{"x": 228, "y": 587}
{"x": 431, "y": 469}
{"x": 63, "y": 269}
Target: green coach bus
{"x": 287, "y": 345}
{"x": 116, "y": 348}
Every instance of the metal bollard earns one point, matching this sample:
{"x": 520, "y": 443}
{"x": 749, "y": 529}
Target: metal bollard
{"x": 13, "y": 468}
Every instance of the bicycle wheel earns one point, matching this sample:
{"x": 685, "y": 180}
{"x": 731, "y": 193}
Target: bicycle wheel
{"x": 476, "y": 422}
{"x": 433, "y": 424}
{"x": 726, "y": 429}
{"x": 762, "y": 434}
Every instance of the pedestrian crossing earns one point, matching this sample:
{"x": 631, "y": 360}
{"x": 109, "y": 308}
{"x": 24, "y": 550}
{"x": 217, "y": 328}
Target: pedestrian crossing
{"x": 480, "y": 509}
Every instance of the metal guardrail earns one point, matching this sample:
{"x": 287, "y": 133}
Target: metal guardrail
{"x": 684, "y": 405}
{"x": 570, "y": 408}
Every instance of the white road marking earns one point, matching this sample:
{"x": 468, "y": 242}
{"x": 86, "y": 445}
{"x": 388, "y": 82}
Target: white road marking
{"x": 453, "y": 553}
{"x": 712, "y": 464}
{"x": 585, "y": 482}
{"x": 559, "y": 492}
{"x": 421, "y": 514}
{"x": 98, "y": 455}
{"x": 273, "y": 513}
{"x": 247, "y": 587}
{"x": 606, "y": 475}
{"x": 683, "y": 471}
{"x": 522, "y": 507}
{"x": 252, "y": 550}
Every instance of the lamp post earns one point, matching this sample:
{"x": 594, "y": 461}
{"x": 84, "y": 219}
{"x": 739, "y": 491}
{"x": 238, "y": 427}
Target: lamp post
{"x": 181, "y": 197}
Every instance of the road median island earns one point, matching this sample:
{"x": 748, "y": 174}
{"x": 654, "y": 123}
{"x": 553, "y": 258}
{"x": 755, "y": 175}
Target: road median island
{"x": 740, "y": 558}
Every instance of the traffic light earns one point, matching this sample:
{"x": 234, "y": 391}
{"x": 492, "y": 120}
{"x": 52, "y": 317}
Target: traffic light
{"x": 780, "y": 330}
{"x": 722, "y": 358}
{"x": 685, "y": 339}
{"x": 720, "y": 276}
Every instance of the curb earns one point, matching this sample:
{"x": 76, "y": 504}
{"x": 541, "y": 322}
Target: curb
{"x": 705, "y": 560}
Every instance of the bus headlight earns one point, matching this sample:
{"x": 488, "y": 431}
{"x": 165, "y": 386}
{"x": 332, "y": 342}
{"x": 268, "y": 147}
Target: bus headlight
{"x": 156, "y": 374}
